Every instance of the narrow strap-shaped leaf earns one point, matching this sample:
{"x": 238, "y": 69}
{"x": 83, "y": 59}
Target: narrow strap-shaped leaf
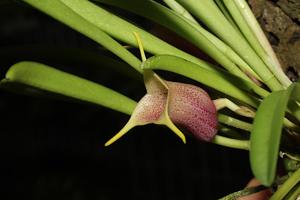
{"x": 266, "y": 135}
{"x": 246, "y": 23}
{"x": 52, "y": 80}
{"x": 179, "y": 25}
{"x": 183, "y": 13}
{"x": 120, "y": 28}
{"x": 222, "y": 7}
{"x": 208, "y": 12}
{"x": 245, "y": 29}
{"x": 296, "y": 91}
{"x": 63, "y": 13}
{"x": 174, "y": 5}
{"x": 70, "y": 55}
{"x": 250, "y": 19}
{"x": 228, "y": 84}
{"x": 294, "y": 104}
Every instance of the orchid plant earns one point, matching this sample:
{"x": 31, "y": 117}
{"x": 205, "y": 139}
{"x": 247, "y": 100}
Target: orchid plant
{"x": 245, "y": 75}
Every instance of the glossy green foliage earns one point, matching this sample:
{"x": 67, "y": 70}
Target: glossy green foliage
{"x": 58, "y": 10}
{"x": 266, "y": 135}
{"x": 98, "y": 24}
{"x": 81, "y": 57}
{"x": 179, "y": 25}
{"x": 52, "y": 80}
{"x": 208, "y": 12}
{"x": 227, "y": 84}
{"x": 101, "y": 25}
{"x": 294, "y": 104}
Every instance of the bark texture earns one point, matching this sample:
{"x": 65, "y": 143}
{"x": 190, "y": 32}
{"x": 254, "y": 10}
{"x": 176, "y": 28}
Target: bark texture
{"x": 280, "y": 20}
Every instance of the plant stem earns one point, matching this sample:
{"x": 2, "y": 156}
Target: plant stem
{"x": 255, "y": 27}
{"x": 231, "y": 133}
{"x": 232, "y": 143}
{"x": 286, "y": 186}
{"x": 288, "y": 124}
{"x": 295, "y": 193}
{"x": 230, "y": 121}
{"x": 246, "y": 126}
{"x": 244, "y": 192}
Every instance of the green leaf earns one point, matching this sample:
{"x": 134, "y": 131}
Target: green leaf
{"x": 52, "y": 80}
{"x": 244, "y": 27}
{"x": 222, "y": 7}
{"x": 89, "y": 21}
{"x": 181, "y": 26}
{"x": 296, "y": 92}
{"x": 294, "y": 104}
{"x": 123, "y": 30}
{"x": 208, "y": 12}
{"x": 98, "y": 60}
{"x": 221, "y": 81}
{"x": 266, "y": 134}
{"x": 270, "y": 59}
{"x": 88, "y": 18}
{"x": 63, "y": 13}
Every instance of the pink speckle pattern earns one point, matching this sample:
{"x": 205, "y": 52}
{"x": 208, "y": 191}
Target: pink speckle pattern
{"x": 189, "y": 106}
{"x": 150, "y": 108}
{"x": 192, "y": 108}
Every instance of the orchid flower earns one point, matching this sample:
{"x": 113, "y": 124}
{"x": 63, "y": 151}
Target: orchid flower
{"x": 171, "y": 103}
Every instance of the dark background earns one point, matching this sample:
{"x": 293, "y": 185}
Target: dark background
{"x": 53, "y": 149}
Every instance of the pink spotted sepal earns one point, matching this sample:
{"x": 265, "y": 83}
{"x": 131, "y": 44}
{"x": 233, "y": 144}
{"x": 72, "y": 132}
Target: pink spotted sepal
{"x": 170, "y": 103}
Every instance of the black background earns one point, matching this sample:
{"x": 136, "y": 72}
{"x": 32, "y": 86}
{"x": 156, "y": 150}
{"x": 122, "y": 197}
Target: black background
{"x": 53, "y": 149}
